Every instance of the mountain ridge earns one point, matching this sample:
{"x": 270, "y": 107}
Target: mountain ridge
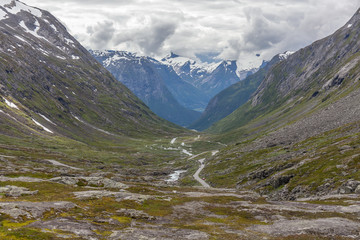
{"x": 146, "y": 78}
{"x": 41, "y": 62}
{"x": 228, "y": 100}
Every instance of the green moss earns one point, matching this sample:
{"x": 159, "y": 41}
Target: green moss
{"x": 9, "y": 224}
{"x": 122, "y": 220}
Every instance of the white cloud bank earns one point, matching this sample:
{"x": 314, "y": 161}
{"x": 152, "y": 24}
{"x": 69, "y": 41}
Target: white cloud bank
{"x": 229, "y": 29}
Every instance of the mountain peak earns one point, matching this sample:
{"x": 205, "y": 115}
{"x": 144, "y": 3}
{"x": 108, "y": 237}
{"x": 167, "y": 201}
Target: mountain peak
{"x": 354, "y": 20}
{"x": 285, "y": 55}
{"x": 173, "y": 55}
{"x": 14, "y": 7}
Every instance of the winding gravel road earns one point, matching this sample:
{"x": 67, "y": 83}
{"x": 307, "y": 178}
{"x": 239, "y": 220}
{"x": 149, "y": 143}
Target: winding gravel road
{"x": 196, "y": 175}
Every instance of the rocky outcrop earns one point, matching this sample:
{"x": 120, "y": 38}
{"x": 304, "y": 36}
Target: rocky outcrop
{"x": 14, "y": 191}
{"x": 82, "y": 229}
{"x": 20, "y": 179}
{"x": 350, "y": 186}
{"x": 159, "y": 233}
{"x": 89, "y": 181}
{"x": 329, "y": 227}
{"x": 33, "y": 210}
{"x": 135, "y": 214}
{"x": 118, "y": 195}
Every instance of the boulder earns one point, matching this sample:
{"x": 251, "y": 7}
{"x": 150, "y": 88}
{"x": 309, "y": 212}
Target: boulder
{"x": 14, "y": 191}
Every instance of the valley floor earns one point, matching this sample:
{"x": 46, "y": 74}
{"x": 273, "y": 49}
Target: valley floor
{"x": 48, "y": 199}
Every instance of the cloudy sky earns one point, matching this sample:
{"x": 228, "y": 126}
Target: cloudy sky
{"x": 224, "y": 29}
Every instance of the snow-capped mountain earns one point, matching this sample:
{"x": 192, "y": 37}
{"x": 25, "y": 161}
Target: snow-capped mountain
{"x": 151, "y": 81}
{"x": 191, "y": 83}
{"x": 211, "y": 78}
{"x": 188, "y": 69}
{"x": 285, "y": 55}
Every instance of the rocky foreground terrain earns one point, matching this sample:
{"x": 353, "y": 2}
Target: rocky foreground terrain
{"x": 48, "y": 199}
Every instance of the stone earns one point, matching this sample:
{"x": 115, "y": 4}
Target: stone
{"x": 324, "y": 227}
{"x": 32, "y": 210}
{"x": 135, "y": 214}
{"x": 123, "y": 195}
{"x": 14, "y": 191}
{"x": 89, "y": 181}
{"x": 65, "y": 180}
{"x": 357, "y": 190}
{"x": 82, "y": 229}
{"x": 20, "y": 179}
{"x": 158, "y": 233}
{"x": 345, "y": 190}
{"x": 352, "y": 184}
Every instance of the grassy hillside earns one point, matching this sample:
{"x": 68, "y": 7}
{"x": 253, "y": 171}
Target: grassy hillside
{"x": 299, "y": 132}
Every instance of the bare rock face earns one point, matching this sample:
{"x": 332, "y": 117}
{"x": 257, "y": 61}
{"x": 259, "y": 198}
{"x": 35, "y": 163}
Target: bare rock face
{"x": 357, "y": 190}
{"x": 89, "y": 181}
{"x": 158, "y": 234}
{"x": 135, "y": 214}
{"x": 118, "y": 195}
{"x": 14, "y": 191}
{"x": 324, "y": 227}
{"x": 32, "y": 210}
{"x": 350, "y": 186}
{"x": 80, "y": 228}
{"x": 20, "y": 179}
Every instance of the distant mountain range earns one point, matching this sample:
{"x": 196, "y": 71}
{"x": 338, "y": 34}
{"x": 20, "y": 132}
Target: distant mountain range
{"x": 176, "y": 88}
{"x": 228, "y": 100}
{"x": 149, "y": 80}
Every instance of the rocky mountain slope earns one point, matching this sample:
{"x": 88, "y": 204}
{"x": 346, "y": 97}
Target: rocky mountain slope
{"x": 148, "y": 79}
{"x": 228, "y": 100}
{"x": 52, "y": 85}
{"x": 299, "y": 133}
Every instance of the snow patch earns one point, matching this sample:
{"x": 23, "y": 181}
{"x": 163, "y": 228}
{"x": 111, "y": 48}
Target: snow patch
{"x": 284, "y": 56}
{"x": 89, "y": 125}
{"x": 10, "y": 104}
{"x": 75, "y": 57}
{"x": 56, "y": 163}
{"x": 175, "y": 176}
{"x": 45, "y": 128}
{"x": 213, "y": 153}
{"x": 69, "y": 41}
{"x": 46, "y": 119}
{"x": 171, "y": 149}
{"x": 21, "y": 39}
{"x": 349, "y": 26}
{"x": 3, "y": 14}
{"x": 19, "y": 6}
{"x": 33, "y": 32}
{"x": 173, "y": 141}
{"x": 52, "y": 26}
{"x": 44, "y": 52}
{"x": 61, "y": 57}
{"x": 187, "y": 152}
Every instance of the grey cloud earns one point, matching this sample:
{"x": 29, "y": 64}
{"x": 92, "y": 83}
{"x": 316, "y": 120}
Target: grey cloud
{"x": 151, "y": 37}
{"x": 101, "y": 34}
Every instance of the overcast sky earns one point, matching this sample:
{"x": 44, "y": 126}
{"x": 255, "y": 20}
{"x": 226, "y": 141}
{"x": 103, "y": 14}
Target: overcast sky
{"x": 227, "y": 29}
